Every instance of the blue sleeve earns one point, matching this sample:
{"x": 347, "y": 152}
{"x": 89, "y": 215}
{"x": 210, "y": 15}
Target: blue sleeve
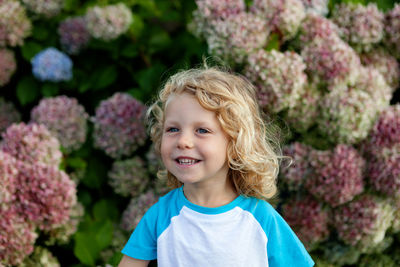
{"x": 283, "y": 247}
{"x": 142, "y": 243}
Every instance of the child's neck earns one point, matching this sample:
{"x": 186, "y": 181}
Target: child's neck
{"x": 210, "y": 195}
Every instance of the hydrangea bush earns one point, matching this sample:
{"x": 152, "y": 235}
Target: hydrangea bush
{"x": 52, "y": 65}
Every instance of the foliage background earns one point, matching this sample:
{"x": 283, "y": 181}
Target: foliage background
{"x": 156, "y": 45}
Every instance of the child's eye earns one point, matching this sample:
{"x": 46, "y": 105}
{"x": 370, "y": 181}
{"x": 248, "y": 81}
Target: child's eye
{"x": 202, "y": 130}
{"x": 172, "y": 130}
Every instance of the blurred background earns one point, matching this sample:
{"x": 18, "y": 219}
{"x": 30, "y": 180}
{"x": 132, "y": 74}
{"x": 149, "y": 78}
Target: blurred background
{"x": 77, "y": 168}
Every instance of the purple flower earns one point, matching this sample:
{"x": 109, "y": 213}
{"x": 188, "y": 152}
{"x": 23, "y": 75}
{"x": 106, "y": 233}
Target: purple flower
{"x": 7, "y": 65}
{"x": 73, "y": 35}
{"x": 8, "y": 114}
{"x": 65, "y": 118}
{"x": 363, "y": 222}
{"x": 308, "y": 219}
{"x": 119, "y": 126}
{"x": 128, "y": 177}
{"x": 14, "y": 23}
{"x": 31, "y": 143}
{"x": 336, "y": 176}
{"x": 295, "y": 174}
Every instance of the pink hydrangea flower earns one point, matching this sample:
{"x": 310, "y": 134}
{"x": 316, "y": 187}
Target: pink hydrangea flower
{"x": 45, "y": 195}
{"x": 65, "y": 118}
{"x": 31, "y": 143}
{"x": 14, "y": 23}
{"x": 308, "y": 219}
{"x": 319, "y": 7}
{"x": 109, "y": 22}
{"x": 361, "y": 26}
{"x": 336, "y": 176}
{"x": 119, "y": 125}
{"x": 279, "y": 77}
{"x": 392, "y": 30}
{"x": 283, "y": 16}
{"x": 317, "y": 27}
{"x": 8, "y": 65}
{"x": 17, "y": 237}
{"x": 8, "y": 174}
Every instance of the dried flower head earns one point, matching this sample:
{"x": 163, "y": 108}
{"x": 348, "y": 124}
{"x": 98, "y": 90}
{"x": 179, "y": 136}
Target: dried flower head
{"x": 119, "y": 125}
{"x": 65, "y": 118}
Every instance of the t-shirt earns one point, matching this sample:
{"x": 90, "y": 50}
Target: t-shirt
{"x": 246, "y": 232}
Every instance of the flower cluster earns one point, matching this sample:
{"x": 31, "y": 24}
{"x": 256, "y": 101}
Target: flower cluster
{"x": 308, "y": 219}
{"x": 7, "y": 65}
{"x": 348, "y": 111}
{"x": 73, "y": 35}
{"x": 302, "y": 116}
{"x": 392, "y": 33}
{"x": 284, "y": 16}
{"x": 217, "y": 9}
{"x": 363, "y": 222}
{"x": 336, "y": 176}
{"x": 45, "y": 195}
{"x": 331, "y": 60}
{"x": 384, "y": 171}
{"x": 340, "y": 254}
{"x": 136, "y": 209}
{"x": 47, "y": 8}
{"x": 31, "y": 143}
{"x": 109, "y": 22}
{"x": 279, "y": 77}
{"x": 385, "y": 63}
{"x": 61, "y": 234}
{"x": 65, "y": 118}
{"x": 235, "y": 37}
{"x": 119, "y": 126}
{"x": 377, "y": 259}
{"x": 8, "y": 114}
{"x": 361, "y": 26}
{"x": 17, "y": 237}
{"x": 295, "y": 174}
{"x": 319, "y": 7}
{"x": 14, "y": 23}
{"x": 128, "y": 177}
{"x": 40, "y": 257}
{"x": 52, "y": 65}
{"x": 317, "y": 27}
{"x": 8, "y": 172}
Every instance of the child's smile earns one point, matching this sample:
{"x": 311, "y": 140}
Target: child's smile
{"x": 193, "y": 146}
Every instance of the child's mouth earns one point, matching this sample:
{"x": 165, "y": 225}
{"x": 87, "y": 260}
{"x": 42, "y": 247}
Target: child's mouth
{"x": 186, "y": 161}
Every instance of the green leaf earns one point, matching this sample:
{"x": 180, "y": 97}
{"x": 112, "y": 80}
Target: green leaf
{"x": 96, "y": 174}
{"x": 50, "y": 89}
{"x": 104, "y": 234}
{"x": 30, "y": 49}
{"x": 115, "y": 259}
{"x": 273, "y": 42}
{"x": 76, "y": 162}
{"x": 40, "y": 33}
{"x": 136, "y": 27}
{"x": 27, "y": 90}
{"x": 70, "y": 5}
{"x": 105, "y": 209}
{"x": 130, "y": 50}
{"x": 136, "y": 93}
{"x": 86, "y": 249}
{"x": 159, "y": 41}
{"x": 104, "y": 77}
{"x": 150, "y": 78}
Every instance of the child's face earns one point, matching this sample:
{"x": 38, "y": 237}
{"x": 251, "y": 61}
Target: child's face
{"x": 193, "y": 144}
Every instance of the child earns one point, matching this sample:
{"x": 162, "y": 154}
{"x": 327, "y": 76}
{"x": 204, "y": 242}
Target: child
{"x": 213, "y": 142}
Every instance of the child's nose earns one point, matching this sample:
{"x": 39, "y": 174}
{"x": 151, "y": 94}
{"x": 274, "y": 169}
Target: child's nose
{"x": 185, "y": 141}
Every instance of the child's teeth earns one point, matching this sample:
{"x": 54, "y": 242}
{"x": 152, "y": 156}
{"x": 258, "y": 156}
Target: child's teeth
{"x": 187, "y": 161}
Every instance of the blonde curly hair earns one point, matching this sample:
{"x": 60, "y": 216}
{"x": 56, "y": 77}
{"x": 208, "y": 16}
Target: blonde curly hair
{"x": 253, "y": 150}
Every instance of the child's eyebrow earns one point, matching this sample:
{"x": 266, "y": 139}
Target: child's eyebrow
{"x": 196, "y": 123}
